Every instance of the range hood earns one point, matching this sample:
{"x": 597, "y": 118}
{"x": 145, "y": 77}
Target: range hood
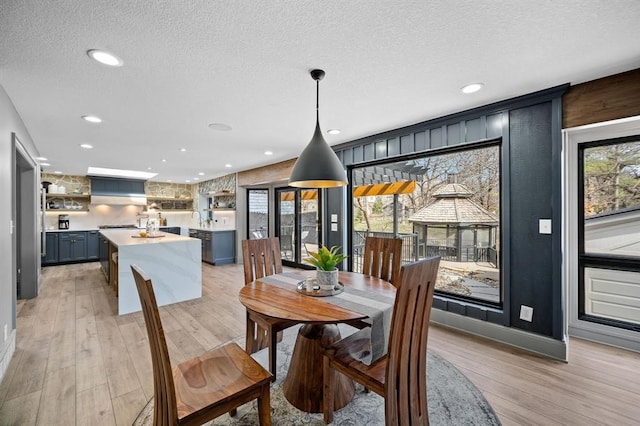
{"x": 119, "y": 200}
{"x": 117, "y": 192}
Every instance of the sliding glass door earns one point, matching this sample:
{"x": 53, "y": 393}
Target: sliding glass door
{"x": 257, "y": 213}
{"x": 297, "y": 223}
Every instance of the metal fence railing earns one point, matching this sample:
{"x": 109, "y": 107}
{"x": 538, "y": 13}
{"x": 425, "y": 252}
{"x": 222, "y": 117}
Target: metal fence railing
{"x": 413, "y": 249}
{"x": 409, "y": 246}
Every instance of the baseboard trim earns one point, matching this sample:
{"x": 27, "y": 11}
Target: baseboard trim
{"x": 530, "y": 342}
{"x": 5, "y": 357}
{"x": 616, "y": 338}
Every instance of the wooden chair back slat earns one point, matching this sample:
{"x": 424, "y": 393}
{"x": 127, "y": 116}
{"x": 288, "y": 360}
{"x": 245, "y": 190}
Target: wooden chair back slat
{"x": 406, "y": 374}
{"x": 382, "y": 258}
{"x": 261, "y": 258}
{"x": 165, "y": 406}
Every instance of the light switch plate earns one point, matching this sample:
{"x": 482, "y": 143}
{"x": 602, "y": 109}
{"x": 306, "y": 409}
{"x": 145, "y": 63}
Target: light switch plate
{"x": 526, "y": 313}
{"x": 544, "y": 226}
{"x": 334, "y": 227}
{"x": 334, "y": 218}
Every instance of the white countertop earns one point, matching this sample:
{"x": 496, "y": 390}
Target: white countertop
{"x": 127, "y": 237}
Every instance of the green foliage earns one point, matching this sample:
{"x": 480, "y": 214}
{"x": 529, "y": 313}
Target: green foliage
{"x": 377, "y": 206}
{"x": 326, "y": 259}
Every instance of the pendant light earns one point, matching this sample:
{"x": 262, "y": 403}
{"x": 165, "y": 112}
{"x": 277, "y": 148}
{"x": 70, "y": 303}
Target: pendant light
{"x": 318, "y": 166}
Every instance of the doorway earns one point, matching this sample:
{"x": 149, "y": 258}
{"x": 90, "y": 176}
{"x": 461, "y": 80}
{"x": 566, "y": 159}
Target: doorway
{"x": 601, "y": 228}
{"x": 27, "y": 223}
{"x": 297, "y": 224}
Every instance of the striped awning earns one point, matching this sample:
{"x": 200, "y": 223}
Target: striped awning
{"x": 403, "y": 187}
{"x": 311, "y": 194}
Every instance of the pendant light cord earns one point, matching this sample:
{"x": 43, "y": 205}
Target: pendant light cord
{"x": 317, "y": 101}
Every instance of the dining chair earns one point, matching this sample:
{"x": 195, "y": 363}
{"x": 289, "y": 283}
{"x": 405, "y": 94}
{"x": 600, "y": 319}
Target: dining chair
{"x": 400, "y": 376}
{"x": 204, "y": 387}
{"x": 262, "y": 258}
{"x": 382, "y": 258}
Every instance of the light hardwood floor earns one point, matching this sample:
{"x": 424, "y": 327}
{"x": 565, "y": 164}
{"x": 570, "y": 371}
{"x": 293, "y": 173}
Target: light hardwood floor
{"x": 77, "y": 362}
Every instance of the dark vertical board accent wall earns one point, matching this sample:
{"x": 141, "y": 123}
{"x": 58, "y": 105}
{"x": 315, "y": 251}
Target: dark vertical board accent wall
{"x": 528, "y": 126}
{"x": 530, "y": 198}
{"x": 474, "y": 131}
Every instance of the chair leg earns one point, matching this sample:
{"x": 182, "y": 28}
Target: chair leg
{"x": 327, "y": 391}
{"x": 250, "y": 341}
{"x": 264, "y": 407}
{"x": 273, "y": 347}
{"x": 233, "y": 412}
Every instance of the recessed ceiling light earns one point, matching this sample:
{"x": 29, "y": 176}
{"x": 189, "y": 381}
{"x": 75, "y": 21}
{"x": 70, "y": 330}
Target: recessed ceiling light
{"x": 41, "y": 158}
{"x": 164, "y": 160}
{"x": 58, "y": 172}
{"x": 201, "y": 173}
{"x": 105, "y": 58}
{"x": 268, "y": 153}
{"x": 227, "y": 165}
{"x": 472, "y": 88}
{"x": 183, "y": 149}
{"x": 45, "y": 164}
{"x": 148, "y": 168}
{"x": 196, "y": 178}
{"x": 333, "y": 131}
{"x": 187, "y": 181}
{"x": 86, "y": 146}
{"x": 168, "y": 180}
{"x": 92, "y": 118}
{"x": 220, "y": 126}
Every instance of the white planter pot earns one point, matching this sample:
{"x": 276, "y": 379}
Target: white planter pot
{"x": 327, "y": 280}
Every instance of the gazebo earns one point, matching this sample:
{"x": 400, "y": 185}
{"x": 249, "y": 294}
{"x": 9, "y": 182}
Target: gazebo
{"x": 455, "y": 227}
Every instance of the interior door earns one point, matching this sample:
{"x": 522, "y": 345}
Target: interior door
{"x": 297, "y": 224}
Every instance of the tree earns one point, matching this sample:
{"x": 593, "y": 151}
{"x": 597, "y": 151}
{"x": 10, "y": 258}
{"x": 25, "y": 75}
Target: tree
{"x": 611, "y": 178}
{"x": 377, "y": 206}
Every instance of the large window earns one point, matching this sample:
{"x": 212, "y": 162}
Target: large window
{"x": 445, "y": 205}
{"x": 609, "y": 241}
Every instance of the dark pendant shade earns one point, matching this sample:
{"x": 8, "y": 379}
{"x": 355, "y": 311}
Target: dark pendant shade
{"x": 318, "y": 165}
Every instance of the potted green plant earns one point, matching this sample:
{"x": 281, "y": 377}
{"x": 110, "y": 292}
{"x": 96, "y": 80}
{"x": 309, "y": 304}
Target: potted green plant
{"x": 325, "y": 261}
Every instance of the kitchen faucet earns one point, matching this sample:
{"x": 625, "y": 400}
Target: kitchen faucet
{"x": 199, "y": 217}
{"x": 140, "y": 217}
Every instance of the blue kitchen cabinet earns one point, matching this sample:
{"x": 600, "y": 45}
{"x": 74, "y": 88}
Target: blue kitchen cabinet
{"x": 171, "y": 229}
{"x": 224, "y": 247}
{"x": 92, "y": 245}
{"x": 51, "y": 249}
{"x": 72, "y": 246}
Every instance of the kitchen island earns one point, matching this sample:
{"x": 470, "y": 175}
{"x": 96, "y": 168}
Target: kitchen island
{"x": 173, "y": 262}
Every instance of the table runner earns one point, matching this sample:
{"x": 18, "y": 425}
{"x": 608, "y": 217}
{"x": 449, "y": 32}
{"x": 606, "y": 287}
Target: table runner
{"x": 376, "y": 307}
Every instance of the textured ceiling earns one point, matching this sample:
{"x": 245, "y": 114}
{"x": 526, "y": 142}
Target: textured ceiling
{"x": 245, "y": 63}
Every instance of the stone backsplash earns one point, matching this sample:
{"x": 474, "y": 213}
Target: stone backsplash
{"x": 72, "y": 184}
{"x": 227, "y": 182}
{"x": 82, "y": 184}
{"x": 169, "y": 190}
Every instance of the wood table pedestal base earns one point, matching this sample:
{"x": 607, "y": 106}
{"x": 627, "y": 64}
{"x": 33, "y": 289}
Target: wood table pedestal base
{"x": 303, "y": 385}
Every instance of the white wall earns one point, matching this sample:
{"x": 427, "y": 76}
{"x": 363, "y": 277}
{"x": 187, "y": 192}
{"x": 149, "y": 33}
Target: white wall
{"x": 10, "y": 121}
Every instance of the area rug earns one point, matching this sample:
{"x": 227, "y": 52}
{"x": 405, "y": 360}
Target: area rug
{"x": 452, "y": 399}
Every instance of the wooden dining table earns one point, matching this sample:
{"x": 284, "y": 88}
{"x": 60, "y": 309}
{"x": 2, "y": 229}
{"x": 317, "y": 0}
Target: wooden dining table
{"x": 303, "y": 384}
